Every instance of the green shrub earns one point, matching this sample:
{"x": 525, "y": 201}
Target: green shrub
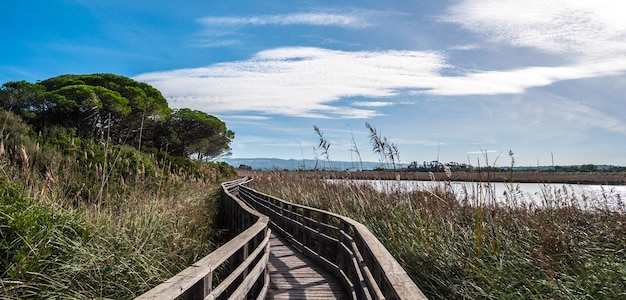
{"x": 37, "y": 242}
{"x": 80, "y": 219}
{"x": 116, "y": 251}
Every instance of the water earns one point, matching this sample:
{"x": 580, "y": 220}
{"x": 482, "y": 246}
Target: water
{"x": 539, "y": 194}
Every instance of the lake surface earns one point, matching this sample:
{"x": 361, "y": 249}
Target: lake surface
{"x": 585, "y": 195}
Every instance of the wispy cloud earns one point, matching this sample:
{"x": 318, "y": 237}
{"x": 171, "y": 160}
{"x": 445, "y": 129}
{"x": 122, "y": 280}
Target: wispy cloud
{"x": 466, "y": 47}
{"x": 518, "y": 80}
{"x": 216, "y": 43}
{"x": 372, "y": 103}
{"x": 482, "y": 152}
{"x": 305, "y": 82}
{"x": 583, "y": 115}
{"x": 349, "y": 20}
{"x": 308, "y": 81}
{"x": 216, "y": 28}
{"x": 575, "y": 27}
{"x": 297, "y": 81}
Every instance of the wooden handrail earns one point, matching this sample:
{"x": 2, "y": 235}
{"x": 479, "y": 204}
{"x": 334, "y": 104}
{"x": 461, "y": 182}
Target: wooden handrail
{"x": 340, "y": 244}
{"x": 247, "y": 254}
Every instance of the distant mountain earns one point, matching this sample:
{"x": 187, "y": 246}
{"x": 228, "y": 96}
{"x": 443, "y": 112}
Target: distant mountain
{"x": 295, "y": 164}
{"x": 309, "y": 164}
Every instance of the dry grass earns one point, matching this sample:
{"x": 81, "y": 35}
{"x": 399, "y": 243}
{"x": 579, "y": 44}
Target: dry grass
{"x": 60, "y": 238}
{"x": 477, "y": 248}
{"x": 615, "y": 178}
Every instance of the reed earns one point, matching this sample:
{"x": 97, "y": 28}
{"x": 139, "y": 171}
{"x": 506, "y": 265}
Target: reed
{"x": 473, "y": 247}
{"x": 118, "y": 250}
{"x": 67, "y": 233}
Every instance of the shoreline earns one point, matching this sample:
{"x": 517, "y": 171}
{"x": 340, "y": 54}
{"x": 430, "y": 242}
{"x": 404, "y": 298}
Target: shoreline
{"x": 602, "y": 178}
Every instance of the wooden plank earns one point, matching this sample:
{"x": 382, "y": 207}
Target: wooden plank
{"x": 295, "y": 276}
{"x": 242, "y": 291}
{"x": 375, "y": 264}
{"x": 290, "y": 294}
{"x": 403, "y": 286}
{"x": 240, "y": 269}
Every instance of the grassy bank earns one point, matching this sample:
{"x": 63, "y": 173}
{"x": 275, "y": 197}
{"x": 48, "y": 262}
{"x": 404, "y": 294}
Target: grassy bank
{"x": 610, "y": 178}
{"x": 475, "y": 248}
{"x": 80, "y": 219}
{"x": 52, "y": 250}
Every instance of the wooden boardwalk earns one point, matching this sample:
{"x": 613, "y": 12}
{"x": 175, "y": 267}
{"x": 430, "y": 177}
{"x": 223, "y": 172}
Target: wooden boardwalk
{"x": 295, "y": 276}
{"x": 256, "y": 264}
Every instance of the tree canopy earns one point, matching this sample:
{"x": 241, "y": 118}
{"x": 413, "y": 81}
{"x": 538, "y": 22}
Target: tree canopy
{"x": 196, "y": 132}
{"x": 119, "y": 108}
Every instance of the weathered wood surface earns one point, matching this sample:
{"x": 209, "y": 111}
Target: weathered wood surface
{"x": 320, "y": 255}
{"x": 295, "y": 276}
{"x": 339, "y": 244}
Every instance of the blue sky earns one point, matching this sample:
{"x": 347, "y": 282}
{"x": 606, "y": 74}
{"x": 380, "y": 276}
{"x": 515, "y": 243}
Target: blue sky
{"x": 456, "y": 80}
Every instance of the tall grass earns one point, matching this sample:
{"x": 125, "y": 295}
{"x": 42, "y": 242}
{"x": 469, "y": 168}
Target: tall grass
{"x": 473, "y": 247}
{"x": 75, "y": 226}
{"x": 117, "y": 250}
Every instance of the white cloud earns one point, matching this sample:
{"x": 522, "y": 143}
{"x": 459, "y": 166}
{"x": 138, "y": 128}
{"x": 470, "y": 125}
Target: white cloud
{"x": 297, "y": 81}
{"x": 581, "y": 115}
{"x": 590, "y": 34}
{"x": 372, "y": 103}
{"x": 592, "y": 29}
{"x": 466, "y": 47}
{"x": 482, "y": 152}
{"x": 517, "y": 81}
{"x": 305, "y": 82}
{"x": 313, "y": 19}
{"x": 217, "y": 43}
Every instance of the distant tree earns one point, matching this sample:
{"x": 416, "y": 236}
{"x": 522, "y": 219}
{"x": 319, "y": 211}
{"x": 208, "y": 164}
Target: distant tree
{"x": 128, "y": 103}
{"x": 436, "y": 166}
{"x": 118, "y": 107}
{"x": 195, "y": 132}
{"x": 217, "y": 145}
{"x": 21, "y": 98}
{"x": 148, "y": 109}
{"x": 588, "y": 168}
{"x": 88, "y": 109}
{"x": 245, "y": 167}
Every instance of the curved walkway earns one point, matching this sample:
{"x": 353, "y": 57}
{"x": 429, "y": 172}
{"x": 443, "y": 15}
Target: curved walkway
{"x": 295, "y": 276}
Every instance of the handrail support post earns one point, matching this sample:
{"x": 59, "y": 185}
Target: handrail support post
{"x": 201, "y": 289}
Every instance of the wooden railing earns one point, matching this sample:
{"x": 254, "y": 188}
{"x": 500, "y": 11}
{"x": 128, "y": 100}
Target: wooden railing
{"x": 242, "y": 261}
{"x": 340, "y": 244}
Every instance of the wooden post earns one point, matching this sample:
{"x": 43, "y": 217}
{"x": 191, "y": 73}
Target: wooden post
{"x": 306, "y": 238}
{"x": 244, "y": 255}
{"x": 322, "y": 249}
{"x": 201, "y": 289}
{"x": 342, "y": 260}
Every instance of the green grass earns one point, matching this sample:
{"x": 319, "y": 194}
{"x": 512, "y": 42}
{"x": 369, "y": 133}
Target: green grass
{"x": 51, "y": 250}
{"x": 76, "y": 226}
{"x": 476, "y": 248}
